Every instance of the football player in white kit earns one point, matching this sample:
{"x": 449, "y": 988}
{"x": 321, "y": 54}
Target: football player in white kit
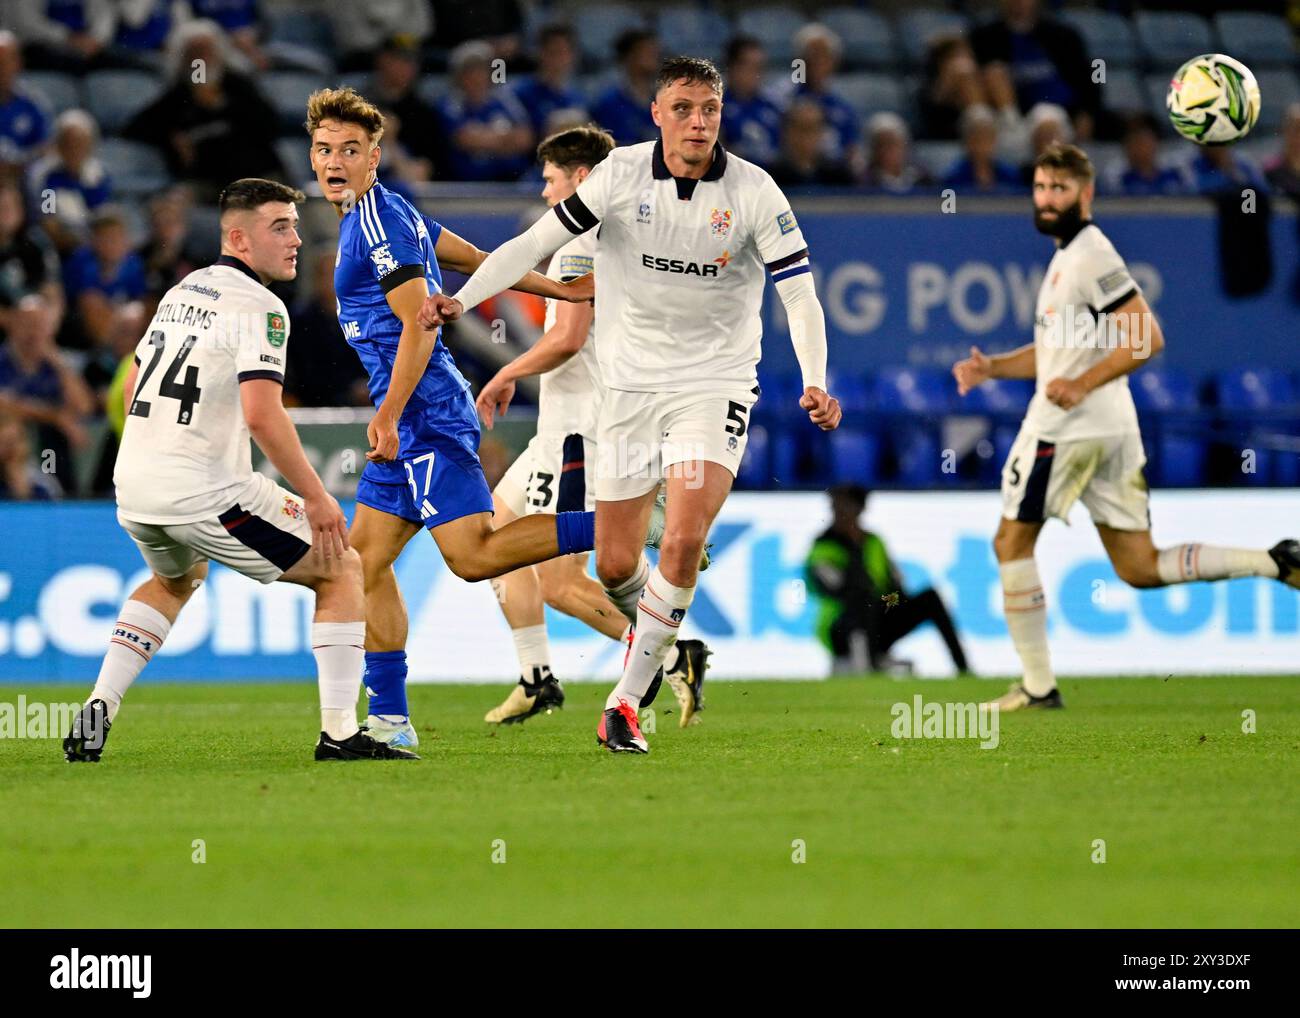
{"x": 1080, "y": 438}
{"x": 208, "y": 373}
{"x": 556, "y": 472}
{"x": 688, "y": 233}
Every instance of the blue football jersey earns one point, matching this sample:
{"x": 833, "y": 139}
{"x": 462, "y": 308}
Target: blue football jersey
{"x": 383, "y": 242}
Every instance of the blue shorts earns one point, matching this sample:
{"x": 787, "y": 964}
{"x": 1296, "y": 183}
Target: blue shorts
{"x": 437, "y": 476}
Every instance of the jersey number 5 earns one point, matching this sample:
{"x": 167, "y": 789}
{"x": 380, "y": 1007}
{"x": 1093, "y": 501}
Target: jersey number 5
{"x": 187, "y": 392}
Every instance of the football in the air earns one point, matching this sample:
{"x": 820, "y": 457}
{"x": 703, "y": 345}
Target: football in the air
{"x": 1213, "y": 100}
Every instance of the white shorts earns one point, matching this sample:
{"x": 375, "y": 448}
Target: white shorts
{"x": 554, "y": 474}
{"x": 262, "y": 535}
{"x": 1043, "y": 479}
{"x": 641, "y": 434}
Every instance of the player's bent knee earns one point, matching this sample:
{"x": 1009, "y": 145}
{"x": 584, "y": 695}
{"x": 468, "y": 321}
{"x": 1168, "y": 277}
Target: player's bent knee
{"x": 1139, "y": 576}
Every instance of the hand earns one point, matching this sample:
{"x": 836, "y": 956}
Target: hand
{"x": 438, "y": 309}
{"x": 823, "y": 408}
{"x": 974, "y": 370}
{"x": 73, "y": 430}
{"x": 495, "y": 397}
{"x": 580, "y": 289}
{"x": 1067, "y": 393}
{"x": 329, "y": 527}
{"x": 382, "y": 435}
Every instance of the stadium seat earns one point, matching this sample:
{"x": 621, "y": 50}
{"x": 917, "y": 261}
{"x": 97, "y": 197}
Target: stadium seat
{"x": 295, "y": 156}
{"x": 1179, "y": 461}
{"x": 59, "y": 91}
{"x": 1163, "y": 390}
{"x": 1106, "y": 35}
{"x": 779, "y": 397}
{"x": 870, "y": 93}
{"x": 1157, "y": 86}
{"x": 1261, "y": 39}
{"x": 916, "y": 455}
{"x": 297, "y": 28}
{"x": 695, "y": 30}
{"x": 775, "y": 27}
{"x": 600, "y": 25}
{"x": 853, "y": 393}
{"x": 868, "y": 39}
{"x": 1253, "y": 389}
{"x": 937, "y": 156}
{"x": 917, "y": 29}
{"x": 787, "y": 457}
{"x": 135, "y": 168}
{"x": 287, "y": 91}
{"x": 1124, "y": 92}
{"x": 433, "y": 87}
{"x": 114, "y": 97}
{"x": 996, "y": 396}
{"x": 918, "y": 390}
{"x": 756, "y": 466}
{"x": 1278, "y": 89}
{"x": 1169, "y": 38}
{"x": 854, "y": 456}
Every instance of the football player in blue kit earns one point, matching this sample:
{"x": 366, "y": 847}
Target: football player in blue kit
{"x": 423, "y": 469}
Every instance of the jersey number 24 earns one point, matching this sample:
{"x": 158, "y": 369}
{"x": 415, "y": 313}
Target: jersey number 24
{"x": 187, "y": 391}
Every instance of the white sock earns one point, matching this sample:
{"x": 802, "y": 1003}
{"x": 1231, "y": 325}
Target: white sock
{"x": 659, "y": 615}
{"x": 1026, "y": 612}
{"x": 339, "y": 648}
{"x": 628, "y": 594}
{"x": 673, "y": 657}
{"x": 137, "y": 635}
{"x": 1184, "y": 563}
{"x": 533, "y": 651}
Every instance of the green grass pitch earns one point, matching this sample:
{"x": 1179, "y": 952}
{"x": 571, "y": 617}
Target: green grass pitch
{"x": 1199, "y": 819}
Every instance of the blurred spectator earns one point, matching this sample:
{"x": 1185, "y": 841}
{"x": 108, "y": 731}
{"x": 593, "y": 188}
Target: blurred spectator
{"x": 167, "y": 255}
{"x": 360, "y": 29}
{"x": 322, "y": 370}
{"x": 66, "y": 35}
{"x": 239, "y": 20}
{"x": 20, "y": 477}
{"x": 1028, "y": 58}
{"x": 28, "y": 264}
{"x": 99, "y": 277}
{"x": 212, "y": 130}
{"x": 979, "y": 169}
{"x": 624, "y": 108}
{"x": 69, "y": 183}
{"x": 38, "y": 386}
{"x": 952, "y": 85}
{"x": 803, "y": 160}
{"x": 24, "y": 122}
{"x": 488, "y": 130}
{"x": 751, "y": 120}
{"x": 1044, "y": 125}
{"x": 1217, "y": 169}
{"x": 495, "y": 22}
{"x": 1283, "y": 169}
{"x": 550, "y": 89}
{"x": 889, "y": 163}
{"x": 400, "y": 168}
{"x": 143, "y": 28}
{"x": 392, "y": 87}
{"x": 105, "y": 373}
{"x": 819, "y": 48}
{"x": 1141, "y": 173}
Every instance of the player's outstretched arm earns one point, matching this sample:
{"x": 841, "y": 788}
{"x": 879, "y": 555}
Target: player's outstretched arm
{"x": 414, "y": 347}
{"x": 459, "y": 255}
{"x": 273, "y": 431}
{"x": 807, "y": 322}
{"x": 560, "y": 342}
{"x": 500, "y": 270}
{"x": 979, "y": 367}
{"x": 1141, "y": 339}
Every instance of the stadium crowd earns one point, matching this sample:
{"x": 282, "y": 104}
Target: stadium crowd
{"x": 120, "y": 120}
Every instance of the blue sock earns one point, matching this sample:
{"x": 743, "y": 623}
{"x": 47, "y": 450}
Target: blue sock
{"x": 386, "y": 682}
{"x": 575, "y": 532}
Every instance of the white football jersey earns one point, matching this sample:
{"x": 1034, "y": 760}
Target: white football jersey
{"x": 680, "y": 267}
{"x": 1086, "y": 278}
{"x": 185, "y": 452}
{"x": 569, "y": 401}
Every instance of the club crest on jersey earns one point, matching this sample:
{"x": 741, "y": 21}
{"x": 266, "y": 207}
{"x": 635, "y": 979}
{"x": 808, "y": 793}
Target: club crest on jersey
{"x": 275, "y": 330}
{"x": 646, "y": 209}
{"x": 293, "y": 508}
{"x": 383, "y": 259}
{"x": 720, "y": 223}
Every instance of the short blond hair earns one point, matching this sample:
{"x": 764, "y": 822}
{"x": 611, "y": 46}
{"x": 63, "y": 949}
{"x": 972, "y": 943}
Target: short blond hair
{"x": 347, "y": 105}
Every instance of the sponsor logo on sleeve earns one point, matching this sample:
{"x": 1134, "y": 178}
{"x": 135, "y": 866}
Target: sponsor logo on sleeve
{"x": 268, "y": 359}
{"x": 276, "y": 329}
{"x": 1113, "y": 281}
{"x": 384, "y": 261}
{"x": 575, "y": 265}
{"x": 785, "y": 222}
